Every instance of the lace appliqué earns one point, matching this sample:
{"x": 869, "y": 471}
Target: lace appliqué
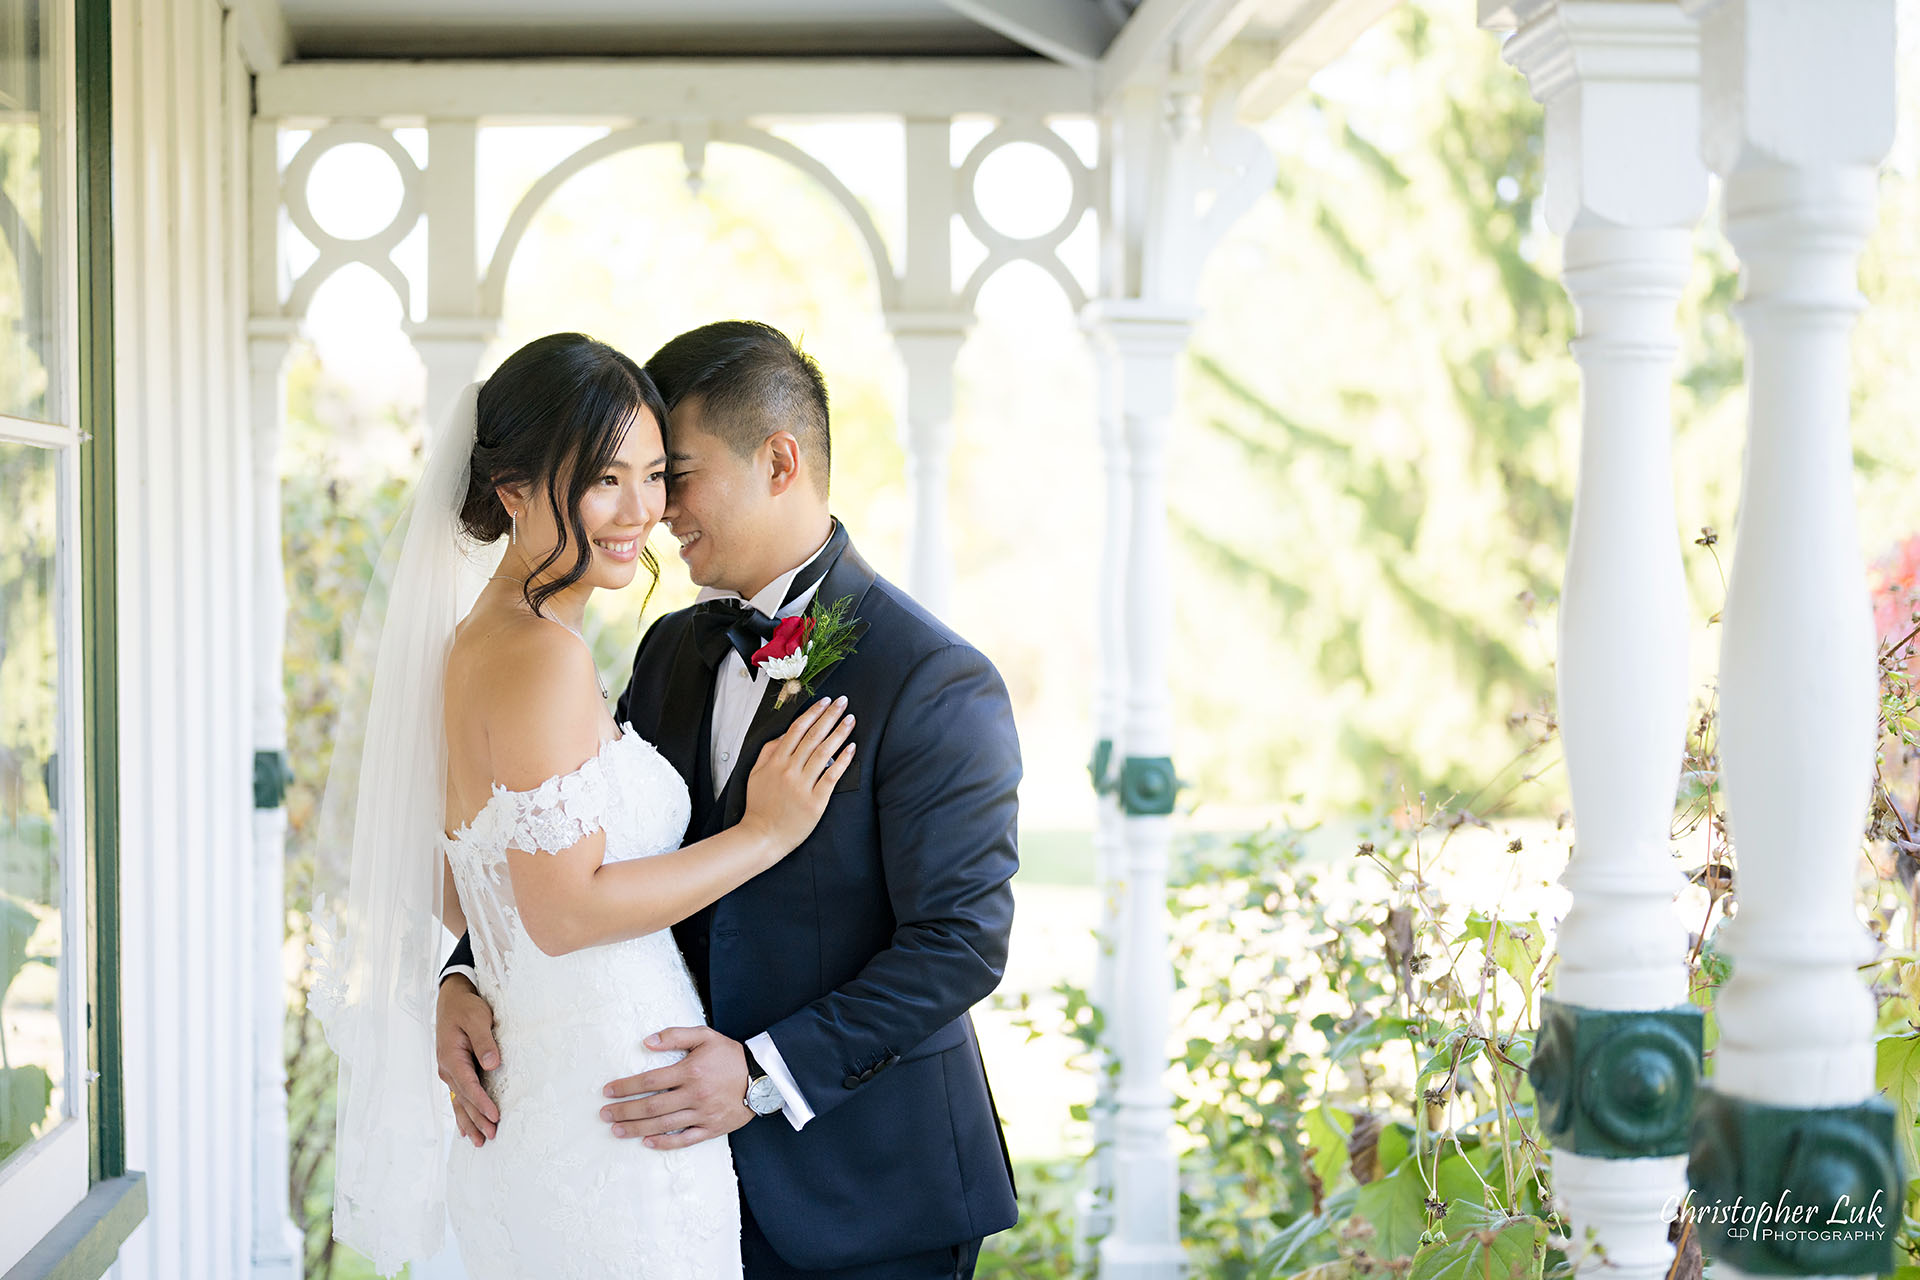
{"x": 556, "y": 815}
{"x": 554, "y": 1196}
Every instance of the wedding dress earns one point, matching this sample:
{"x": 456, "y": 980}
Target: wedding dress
{"x": 554, "y": 1193}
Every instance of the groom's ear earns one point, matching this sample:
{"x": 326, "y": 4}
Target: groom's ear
{"x": 783, "y": 461}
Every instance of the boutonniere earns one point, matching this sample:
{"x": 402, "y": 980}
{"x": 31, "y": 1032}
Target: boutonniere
{"x": 804, "y": 648}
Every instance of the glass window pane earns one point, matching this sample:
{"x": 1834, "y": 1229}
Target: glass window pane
{"x": 29, "y": 335}
{"x": 33, "y": 1054}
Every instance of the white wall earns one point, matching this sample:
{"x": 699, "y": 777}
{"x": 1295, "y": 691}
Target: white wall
{"x": 181, "y": 99}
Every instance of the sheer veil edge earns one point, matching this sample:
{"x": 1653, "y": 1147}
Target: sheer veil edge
{"x": 377, "y": 938}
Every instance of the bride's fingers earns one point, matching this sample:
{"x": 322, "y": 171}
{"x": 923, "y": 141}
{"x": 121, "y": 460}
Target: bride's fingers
{"x": 802, "y": 723}
{"x": 827, "y": 780}
{"x": 823, "y": 750}
{"x": 821, "y": 727}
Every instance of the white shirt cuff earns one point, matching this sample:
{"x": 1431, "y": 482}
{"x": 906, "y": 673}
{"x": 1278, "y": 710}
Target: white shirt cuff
{"x": 796, "y": 1109}
{"x": 464, "y": 970}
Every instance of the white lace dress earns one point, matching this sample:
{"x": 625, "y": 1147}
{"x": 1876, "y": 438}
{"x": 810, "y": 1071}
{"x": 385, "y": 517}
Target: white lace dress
{"x": 555, "y": 1194}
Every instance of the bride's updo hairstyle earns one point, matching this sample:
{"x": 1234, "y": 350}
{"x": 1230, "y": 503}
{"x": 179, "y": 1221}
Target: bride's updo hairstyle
{"x": 552, "y": 417}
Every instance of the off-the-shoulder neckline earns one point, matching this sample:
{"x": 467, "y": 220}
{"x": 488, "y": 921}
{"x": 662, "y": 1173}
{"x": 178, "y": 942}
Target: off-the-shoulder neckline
{"x": 500, "y": 792}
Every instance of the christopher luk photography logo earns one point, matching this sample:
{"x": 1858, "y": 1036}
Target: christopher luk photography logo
{"x": 1782, "y": 1219}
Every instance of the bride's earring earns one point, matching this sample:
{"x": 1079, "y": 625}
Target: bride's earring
{"x": 513, "y": 534}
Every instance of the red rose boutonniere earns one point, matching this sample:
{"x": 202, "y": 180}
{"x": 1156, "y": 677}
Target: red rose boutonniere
{"x": 789, "y": 639}
{"x": 803, "y": 648}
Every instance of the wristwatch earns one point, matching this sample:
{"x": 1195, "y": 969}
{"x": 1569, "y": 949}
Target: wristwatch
{"x": 763, "y": 1095}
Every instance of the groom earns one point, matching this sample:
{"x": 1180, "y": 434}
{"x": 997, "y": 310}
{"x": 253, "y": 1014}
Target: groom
{"x": 840, "y": 1055}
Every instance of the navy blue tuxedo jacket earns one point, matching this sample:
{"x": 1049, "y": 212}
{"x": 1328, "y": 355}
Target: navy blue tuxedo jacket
{"x": 863, "y": 950}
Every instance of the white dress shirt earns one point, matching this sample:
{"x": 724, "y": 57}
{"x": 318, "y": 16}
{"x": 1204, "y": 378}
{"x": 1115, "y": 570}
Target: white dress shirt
{"x": 737, "y": 693}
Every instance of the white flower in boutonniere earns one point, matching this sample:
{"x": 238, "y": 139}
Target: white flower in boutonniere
{"x": 803, "y": 648}
{"x": 787, "y": 668}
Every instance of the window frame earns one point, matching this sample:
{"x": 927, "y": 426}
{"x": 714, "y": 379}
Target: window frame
{"x": 43, "y": 1186}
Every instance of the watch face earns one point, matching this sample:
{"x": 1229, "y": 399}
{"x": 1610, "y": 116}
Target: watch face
{"x": 763, "y": 1096}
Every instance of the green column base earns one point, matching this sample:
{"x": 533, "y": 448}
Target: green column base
{"x": 1795, "y": 1191}
{"x": 1147, "y": 786}
{"x": 1616, "y": 1084}
{"x": 272, "y": 775}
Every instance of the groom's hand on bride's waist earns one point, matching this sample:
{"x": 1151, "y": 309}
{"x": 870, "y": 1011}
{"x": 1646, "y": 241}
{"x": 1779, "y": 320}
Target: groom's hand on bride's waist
{"x": 701, "y": 1096}
{"x": 463, "y": 1045}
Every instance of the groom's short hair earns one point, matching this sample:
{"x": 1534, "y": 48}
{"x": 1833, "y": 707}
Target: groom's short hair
{"x": 751, "y": 381}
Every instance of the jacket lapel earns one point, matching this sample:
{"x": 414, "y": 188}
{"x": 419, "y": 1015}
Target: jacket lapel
{"x": 689, "y": 690}
{"x": 849, "y": 576}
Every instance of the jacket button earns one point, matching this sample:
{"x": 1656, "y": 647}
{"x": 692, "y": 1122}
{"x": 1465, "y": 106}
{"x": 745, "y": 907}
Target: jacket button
{"x": 851, "y": 1082}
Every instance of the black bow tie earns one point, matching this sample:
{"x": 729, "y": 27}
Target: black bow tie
{"x": 720, "y": 625}
{"x": 732, "y": 623}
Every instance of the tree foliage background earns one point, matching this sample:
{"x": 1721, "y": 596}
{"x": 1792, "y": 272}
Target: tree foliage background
{"x": 1376, "y": 485}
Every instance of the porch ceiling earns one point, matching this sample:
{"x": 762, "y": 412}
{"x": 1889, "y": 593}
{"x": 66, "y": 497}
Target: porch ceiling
{"x": 1066, "y": 29}
{"x": 537, "y": 59}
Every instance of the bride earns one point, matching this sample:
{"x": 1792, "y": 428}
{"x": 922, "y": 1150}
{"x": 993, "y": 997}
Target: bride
{"x": 479, "y": 779}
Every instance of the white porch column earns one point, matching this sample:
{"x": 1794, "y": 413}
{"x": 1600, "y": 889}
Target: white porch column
{"x": 928, "y": 343}
{"x": 277, "y": 1250}
{"x": 1798, "y": 111}
{"x": 929, "y": 325}
{"x": 1145, "y": 340}
{"x": 1095, "y": 1201}
{"x": 451, "y": 349}
{"x": 454, "y": 336}
{"x": 1617, "y": 1063}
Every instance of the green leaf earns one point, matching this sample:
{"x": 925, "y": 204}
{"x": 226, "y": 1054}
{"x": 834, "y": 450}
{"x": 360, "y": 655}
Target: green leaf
{"x": 16, "y": 926}
{"x": 1442, "y": 1058}
{"x": 25, "y": 1094}
{"x": 1369, "y": 1035}
{"x": 1198, "y": 1051}
{"x": 1395, "y": 1144}
{"x": 1456, "y": 1183}
{"x": 1896, "y": 1071}
{"x": 1396, "y": 1207}
{"x": 1483, "y": 1245}
{"x": 1308, "y": 1239}
{"x": 1516, "y": 945}
{"x": 1326, "y": 1131}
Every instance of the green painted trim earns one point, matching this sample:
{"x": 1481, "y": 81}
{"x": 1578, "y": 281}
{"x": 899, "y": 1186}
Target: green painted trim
{"x": 1101, "y": 767}
{"x": 93, "y": 78}
{"x": 1147, "y": 786}
{"x": 272, "y": 775}
{"x": 1618, "y": 1084}
{"x": 88, "y": 1240}
{"x": 1835, "y": 1170}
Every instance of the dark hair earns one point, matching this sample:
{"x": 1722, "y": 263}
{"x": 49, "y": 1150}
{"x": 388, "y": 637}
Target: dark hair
{"x": 751, "y": 382}
{"x": 559, "y": 406}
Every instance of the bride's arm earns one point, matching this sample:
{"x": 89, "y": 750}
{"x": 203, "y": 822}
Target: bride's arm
{"x": 569, "y": 899}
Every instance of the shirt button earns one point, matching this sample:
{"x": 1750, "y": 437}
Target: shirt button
{"x": 726, "y": 756}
